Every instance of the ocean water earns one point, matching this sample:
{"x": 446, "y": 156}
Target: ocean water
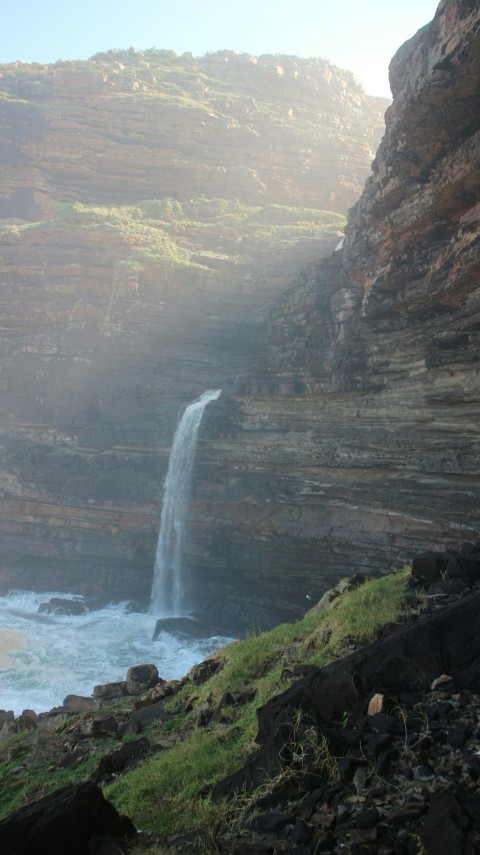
{"x": 44, "y": 657}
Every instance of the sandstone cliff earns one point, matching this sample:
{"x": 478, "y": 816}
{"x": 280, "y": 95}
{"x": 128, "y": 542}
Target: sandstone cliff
{"x": 151, "y": 208}
{"x": 358, "y": 442}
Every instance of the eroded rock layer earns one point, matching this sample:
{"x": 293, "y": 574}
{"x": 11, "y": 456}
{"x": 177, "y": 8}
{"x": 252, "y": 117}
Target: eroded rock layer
{"x": 358, "y": 443}
{"x": 151, "y": 207}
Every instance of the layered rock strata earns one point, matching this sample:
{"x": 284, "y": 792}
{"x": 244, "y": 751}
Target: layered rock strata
{"x": 151, "y": 207}
{"x": 358, "y": 442}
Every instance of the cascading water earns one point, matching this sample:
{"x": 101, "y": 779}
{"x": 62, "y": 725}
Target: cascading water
{"x": 39, "y": 661}
{"x": 169, "y": 583}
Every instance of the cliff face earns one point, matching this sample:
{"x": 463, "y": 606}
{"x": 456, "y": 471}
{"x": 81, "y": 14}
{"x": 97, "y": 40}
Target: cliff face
{"x": 350, "y": 440}
{"x": 358, "y": 443}
{"x": 151, "y": 207}
{"x": 127, "y": 126}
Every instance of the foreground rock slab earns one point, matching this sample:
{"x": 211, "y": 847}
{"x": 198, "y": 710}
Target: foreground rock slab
{"x": 73, "y": 821}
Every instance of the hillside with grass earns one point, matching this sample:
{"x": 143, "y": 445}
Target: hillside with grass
{"x": 356, "y": 725}
{"x": 189, "y": 748}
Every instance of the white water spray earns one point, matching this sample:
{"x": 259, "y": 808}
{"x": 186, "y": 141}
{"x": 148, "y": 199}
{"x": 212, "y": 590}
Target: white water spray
{"x": 169, "y": 582}
{"x": 44, "y": 657}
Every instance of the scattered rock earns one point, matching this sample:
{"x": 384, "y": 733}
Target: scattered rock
{"x": 375, "y": 704}
{"x": 330, "y": 597}
{"x": 31, "y": 714}
{"x": 8, "y": 728}
{"x": 374, "y": 786}
{"x": 6, "y": 715}
{"x": 25, "y": 722}
{"x": 78, "y": 704}
{"x": 204, "y": 670}
{"x": 140, "y": 678}
{"x": 110, "y": 690}
{"x": 439, "y": 681}
{"x": 125, "y": 757}
{"x": 204, "y": 716}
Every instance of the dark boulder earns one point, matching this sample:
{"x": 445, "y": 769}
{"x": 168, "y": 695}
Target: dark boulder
{"x": 428, "y": 566}
{"x": 125, "y": 757}
{"x": 140, "y": 678}
{"x": 67, "y": 822}
{"x": 58, "y": 606}
{"x": 445, "y": 826}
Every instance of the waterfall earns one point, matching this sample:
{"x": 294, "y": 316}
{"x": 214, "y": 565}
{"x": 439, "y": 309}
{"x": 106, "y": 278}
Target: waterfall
{"x": 168, "y": 589}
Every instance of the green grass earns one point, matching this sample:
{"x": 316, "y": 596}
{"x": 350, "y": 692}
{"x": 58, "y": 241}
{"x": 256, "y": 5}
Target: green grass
{"x": 166, "y": 794}
{"x": 165, "y": 231}
{"x": 26, "y": 772}
{"x": 163, "y": 793}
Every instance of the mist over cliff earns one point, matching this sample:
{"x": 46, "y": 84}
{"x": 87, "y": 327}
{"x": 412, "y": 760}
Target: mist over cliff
{"x": 153, "y": 206}
{"x": 155, "y": 209}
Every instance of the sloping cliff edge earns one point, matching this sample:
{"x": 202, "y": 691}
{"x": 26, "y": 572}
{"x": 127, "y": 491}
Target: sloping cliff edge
{"x": 358, "y": 442}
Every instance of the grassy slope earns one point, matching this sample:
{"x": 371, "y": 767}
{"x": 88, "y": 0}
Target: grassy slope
{"x": 167, "y": 231}
{"x": 165, "y": 793}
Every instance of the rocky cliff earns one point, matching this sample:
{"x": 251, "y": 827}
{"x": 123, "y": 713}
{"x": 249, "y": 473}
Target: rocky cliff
{"x": 349, "y": 438}
{"x": 152, "y": 206}
{"x": 357, "y": 442}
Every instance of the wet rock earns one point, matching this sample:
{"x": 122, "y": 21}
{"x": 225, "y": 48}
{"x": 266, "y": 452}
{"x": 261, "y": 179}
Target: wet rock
{"x": 78, "y": 704}
{"x": 58, "y": 606}
{"x": 110, "y": 690}
{"x": 140, "y": 678}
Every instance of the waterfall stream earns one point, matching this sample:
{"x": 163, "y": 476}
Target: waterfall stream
{"x": 169, "y": 594}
